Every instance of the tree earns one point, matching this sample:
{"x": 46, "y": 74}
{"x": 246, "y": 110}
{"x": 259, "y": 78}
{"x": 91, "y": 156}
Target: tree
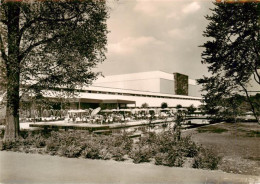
{"x": 232, "y": 52}
{"x": 49, "y": 44}
{"x": 145, "y": 105}
{"x": 164, "y": 105}
{"x": 191, "y": 109}
{"x": 178, "y": 106}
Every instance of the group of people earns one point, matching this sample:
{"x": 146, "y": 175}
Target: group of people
{"x": 96, "y": 116}
{"x": 105, "y": 117}
{"x": 43, "y": 115}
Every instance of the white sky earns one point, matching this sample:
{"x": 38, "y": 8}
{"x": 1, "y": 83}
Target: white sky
{"x": 147, "y": 35}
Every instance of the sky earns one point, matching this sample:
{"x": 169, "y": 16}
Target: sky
{"x": 148, "y": 35}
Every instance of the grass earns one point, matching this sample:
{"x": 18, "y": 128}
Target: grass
{"x": 211, "y": 129}
{"x": 253, "y": 158}
{"x": 253, "y": 133}
{"x": 248, "y": 133}
{"x": 239, "y": 145}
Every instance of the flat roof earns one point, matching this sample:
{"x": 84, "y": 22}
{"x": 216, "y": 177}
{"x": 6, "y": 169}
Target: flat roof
{"x": 91, "y": 98}
{"x": 128, "y": 91}
{"x": 138, "y": 76}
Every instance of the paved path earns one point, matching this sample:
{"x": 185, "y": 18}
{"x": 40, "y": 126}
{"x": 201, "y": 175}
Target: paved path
{"x": 33, "y": 168}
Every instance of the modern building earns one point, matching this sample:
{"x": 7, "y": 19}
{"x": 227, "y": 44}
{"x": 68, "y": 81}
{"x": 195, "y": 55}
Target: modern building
{"x": 135, "y": 89}
{"x": 129, "y": 90}
{"x": 153, "y": 81}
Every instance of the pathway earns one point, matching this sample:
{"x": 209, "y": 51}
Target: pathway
{"x": 33, "y": 168}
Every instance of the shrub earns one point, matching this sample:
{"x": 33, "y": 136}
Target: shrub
{"x": 118, "y": 153}
{"x": 160, "y": 158}
{"x": 71, "y": 151}
{"x": 2, "y": 133}
{"x": 188, "y": 147}
{"x": 122, "y": 141}
{"x": 9, "y": 145}
{"x": 206, "y": 159}
{"x": 144, "y": 105}
{"x": 91, "y": 151}
{"x": 170, "y": 158}
{"x": 119, "y": 146}
{"x": 40, "y": 141}
{"x": 164, "y": 105}
{"x": 53, "y": 143}
{"x": 105, "y": 154}
{"x": 141, "y": 154}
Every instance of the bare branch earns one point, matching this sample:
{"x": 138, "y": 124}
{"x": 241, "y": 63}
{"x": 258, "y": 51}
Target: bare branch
{"x": 31, "y": 47}
{"x": 250, "y": 102}
{"x": 29, "y": 23}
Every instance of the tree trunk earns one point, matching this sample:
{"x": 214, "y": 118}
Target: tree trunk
{"x": 13, "y": 73}
{"x": 251, "y": 104}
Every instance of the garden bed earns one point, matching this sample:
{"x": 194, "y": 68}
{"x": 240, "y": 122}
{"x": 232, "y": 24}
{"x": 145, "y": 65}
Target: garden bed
{"x": 165, "y": 148}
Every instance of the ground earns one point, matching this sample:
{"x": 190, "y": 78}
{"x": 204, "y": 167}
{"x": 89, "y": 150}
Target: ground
{"x": 34, "y": 168}
{"x": 237, "y": 143}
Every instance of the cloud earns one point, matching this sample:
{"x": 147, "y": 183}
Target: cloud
{"x": 191, "y": 8}
{"x": 156, "y": 7}
{"x": 146, "y": 8}
{"x": 130, "y": 45}
{"x": 173, "y": 15}
{"x": 156, "y": 35}
{"x": 170, "y": 9}
{"x": 182, "y": 33}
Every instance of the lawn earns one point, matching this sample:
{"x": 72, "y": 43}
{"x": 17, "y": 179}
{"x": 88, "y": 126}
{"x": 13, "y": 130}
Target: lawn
{"x": 238, "y": 143}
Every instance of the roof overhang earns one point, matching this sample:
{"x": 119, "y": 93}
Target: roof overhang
{"x": 107, "y": 101}
{"x": 92, "y": 98}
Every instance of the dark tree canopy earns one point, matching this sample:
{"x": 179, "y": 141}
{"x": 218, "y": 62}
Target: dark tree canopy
{"x": 191, "y": 109}
{"x": 232, "y": 52}
{"x": 164, "y": 105}
{"x": 49, "y": 44}
{"x": 59, "y": 42}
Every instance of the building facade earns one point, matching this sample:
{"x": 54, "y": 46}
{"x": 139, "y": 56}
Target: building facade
{"x": 153, "y": 81}
{"x": 133, "y": 90}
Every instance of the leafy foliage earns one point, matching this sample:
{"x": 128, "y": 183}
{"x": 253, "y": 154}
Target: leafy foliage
{"x": 191, "y": 109}
{"x": 232, "y": 52}
{"x": 145, "y": 105}
{"x": 164, "y": 148}
{"x": 164, "y": 105}
{"x": 206, "y": 159}
{"x": 50, "y": 44}
{"x": 58, "y": 39}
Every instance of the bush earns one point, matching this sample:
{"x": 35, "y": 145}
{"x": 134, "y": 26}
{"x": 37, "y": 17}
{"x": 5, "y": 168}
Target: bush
{"x": 170, "y": 158}
{"x": 206, "y": 159}
{"x": 144, "y": 105}
{"x": 166, "y": 148}
{"x": 40, "y": 141}
{"x": 52, "y": 145}
{"x": 141, "y": 154}
{"x": 105, "y": 154}
{"x": 91, "y": 151}
{"x": 188, "y": 147}
{"x": 71, "y": 151}
{"x": 118, "y": 153}
{"x": 119, "y": 146}
{"x": 9, "y": 145}
{"x": 2, "y": 133}
{"x": 164, "y": 105}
